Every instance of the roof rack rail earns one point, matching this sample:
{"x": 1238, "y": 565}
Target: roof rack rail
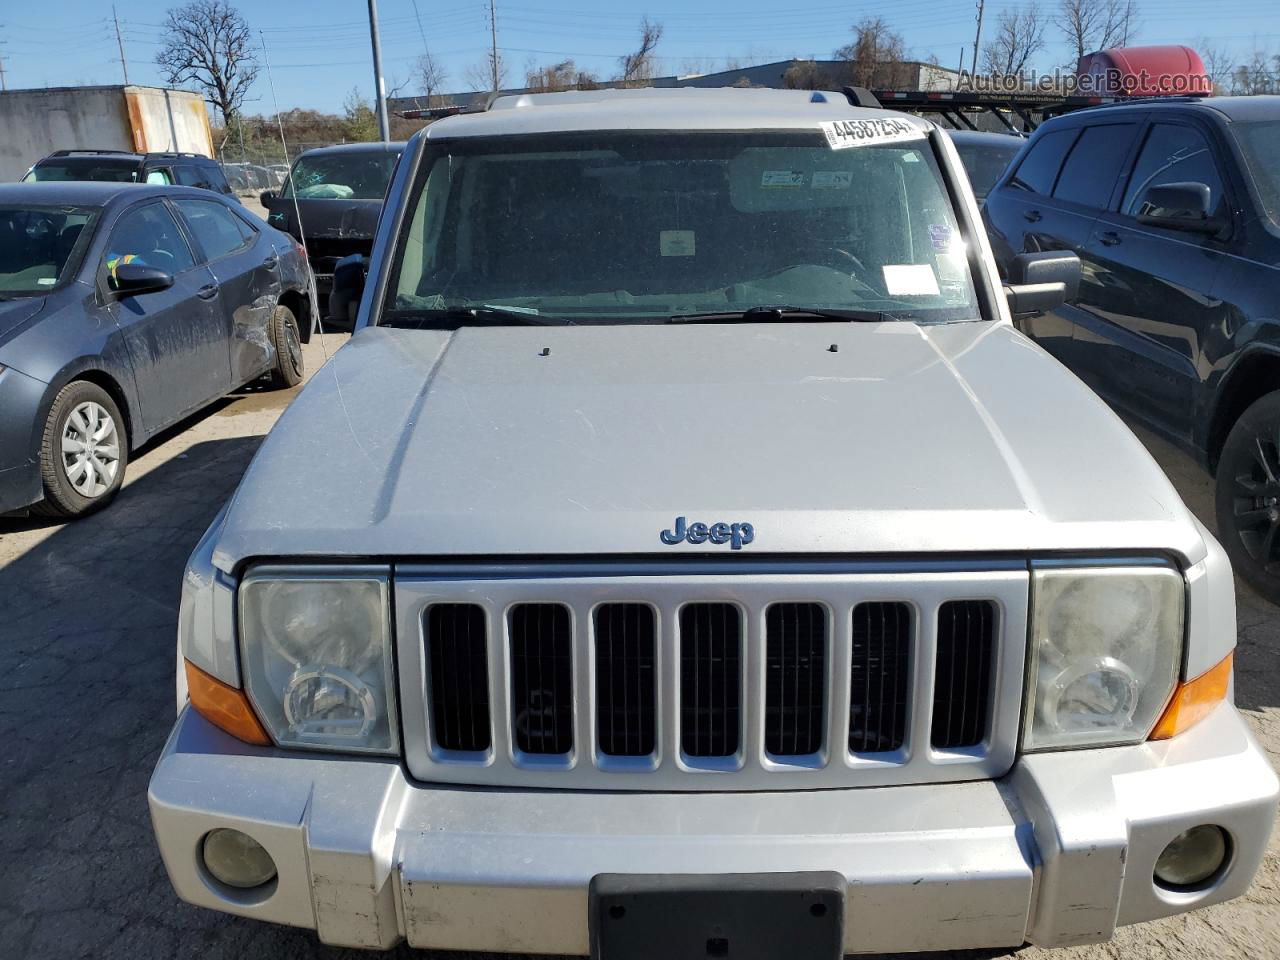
{"x": 860, "y": 97}
{"x": 92, "y": 152}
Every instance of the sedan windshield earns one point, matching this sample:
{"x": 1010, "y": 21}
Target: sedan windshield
{"x": 1260, "y": 143}
{"x": 341, "y": 176}
{"x": 40, "y": 247}
{"x": 613, "y": 227}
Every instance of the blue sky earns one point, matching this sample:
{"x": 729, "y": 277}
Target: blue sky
{"x": 319, "y": 49}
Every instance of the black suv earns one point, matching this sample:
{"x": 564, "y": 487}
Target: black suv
{"x": 121, "y": 166}
{"x": 1173, "y": 207}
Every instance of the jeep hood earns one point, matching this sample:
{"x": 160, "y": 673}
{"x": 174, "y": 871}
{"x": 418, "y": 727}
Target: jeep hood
{"x": 829, "y": 438}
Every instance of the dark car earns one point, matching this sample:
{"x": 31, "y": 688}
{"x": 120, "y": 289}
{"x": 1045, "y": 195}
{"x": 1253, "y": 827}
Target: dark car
{"x": 1173, "y": 207}
{"x": 337, "y": 191}
{"x": 121, "y": 166}
{"x": 985, "y": 156}
{"x": 122, "y": 310}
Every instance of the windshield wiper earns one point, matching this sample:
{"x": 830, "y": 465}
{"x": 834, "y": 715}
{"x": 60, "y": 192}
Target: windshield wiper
{"x": 771, "y": 313}
{"x": 523, "y": 315}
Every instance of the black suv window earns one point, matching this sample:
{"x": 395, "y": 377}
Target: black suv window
{"x": 1173, "y": 153}
{"x": 1093, "y": 165}
{"x": 213, "y": 173}
{"x": 1039, "y": 168}
{"x": 214, "y": 226}
{"x": 190, "y": 176}
{"x": 149, "y": 236}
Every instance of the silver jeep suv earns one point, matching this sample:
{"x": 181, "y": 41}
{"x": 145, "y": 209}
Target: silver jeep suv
{"x": 687, "y": 557}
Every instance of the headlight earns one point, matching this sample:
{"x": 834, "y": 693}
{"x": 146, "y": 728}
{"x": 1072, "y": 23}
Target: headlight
{"x": 317, "y": 654}
{"x": 1106, "y": 646}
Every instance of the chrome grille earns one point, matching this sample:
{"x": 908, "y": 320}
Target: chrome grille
{"x": 878, "y": 677}
{"x": 710, "y": 679}
{"x": 457, "y": 645}
{"x": 795, "y": 678}
{"x": 676, "y": 680}
{"x": 966, "y": 634}
{"x": 626, "y": 679}
{"x": 542, "y": 678}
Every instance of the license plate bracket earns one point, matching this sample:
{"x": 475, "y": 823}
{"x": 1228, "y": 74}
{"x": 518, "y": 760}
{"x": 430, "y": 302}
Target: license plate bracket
{"x": 742, "y": 916}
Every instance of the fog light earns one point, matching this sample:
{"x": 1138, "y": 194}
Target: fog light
{"x": 1192, "y": 857}
{"x": 236, "y": 859}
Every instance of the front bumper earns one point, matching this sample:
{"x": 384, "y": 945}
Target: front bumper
{"x": 1059, "y": 852}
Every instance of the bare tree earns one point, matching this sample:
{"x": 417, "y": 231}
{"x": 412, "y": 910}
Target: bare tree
{"x": 564, "y": 75}
{"x": 488, "y": 74}
{"x": 1218, "y": 63}
{"x": 637, "y": 67}
{"x": 1019, "y": 37}
{"x": 1091, "y": 25}
{"x": 875, "y": 57}
{"x": 208, "y": 43}
{"x": 1258, "y": 75}
{"x": 429, "y": 76}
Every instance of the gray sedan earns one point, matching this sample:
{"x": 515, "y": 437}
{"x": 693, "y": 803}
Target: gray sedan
{"x": 124, "y": 308}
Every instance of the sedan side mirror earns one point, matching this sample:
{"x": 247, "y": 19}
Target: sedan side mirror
{"x": 266, "y": 198}
{"x": 1041, "y": 282}
{"x": 133, "y": 279}
{"x": 1179, "y": 206}
{"x": 348, "y": 288}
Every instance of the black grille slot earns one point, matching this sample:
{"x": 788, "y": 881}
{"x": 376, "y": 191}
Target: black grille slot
{"x": 962, "y": 684}
{"x": 625, "y": 679}
{"x": 879, "y": 674}
{"x": 795, "y": 678}
{"x": 542, "y": 678}
{"x": 459, "y": 676}
{"x": 710, "y": 679}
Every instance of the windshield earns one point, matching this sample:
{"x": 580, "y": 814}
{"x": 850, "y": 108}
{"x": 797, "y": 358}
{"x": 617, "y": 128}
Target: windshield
{"x": 113, "y": 169}
{"x": 40, "y": 247}
{"x": 618, "y": 226}
{"x": 1260, "y": 143}
{"x": 341, "y": 176}
{"x": 985, "y": 162}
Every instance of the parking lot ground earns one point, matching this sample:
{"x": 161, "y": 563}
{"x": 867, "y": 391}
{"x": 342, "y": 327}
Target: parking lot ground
{"x": 88, "y": 614}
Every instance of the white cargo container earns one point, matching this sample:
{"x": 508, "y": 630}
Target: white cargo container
{"x": 34, "y": 123}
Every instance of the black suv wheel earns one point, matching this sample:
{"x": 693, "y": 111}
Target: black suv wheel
{"x": 1248, "y": 496}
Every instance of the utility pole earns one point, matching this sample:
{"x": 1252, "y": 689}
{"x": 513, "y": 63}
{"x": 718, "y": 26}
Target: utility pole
{"x": 124, "y": 64}
{"x": 493, "y": 35}
{"x": 977, "y": 40}
{"x": 379, "y": 87}
{"x": 3, "y": 85}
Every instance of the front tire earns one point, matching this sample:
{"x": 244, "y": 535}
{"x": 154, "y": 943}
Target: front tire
{"x": 289, "y": 369}
{"x": 1248, "y": 496}
{"x": 83, "y": 453}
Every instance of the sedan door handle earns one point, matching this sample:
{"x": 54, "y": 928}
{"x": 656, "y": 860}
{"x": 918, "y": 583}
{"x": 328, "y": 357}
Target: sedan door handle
{"x": 1032, "y": 216}
{"x": 270, "y": 263}
{"x": 1110, "y": 238}
{"x": 208, "y": 291}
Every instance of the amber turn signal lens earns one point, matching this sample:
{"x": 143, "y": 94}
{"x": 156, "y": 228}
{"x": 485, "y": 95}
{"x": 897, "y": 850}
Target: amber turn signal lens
{"x": 1193, "y": 700}
{"x": 226, "y": 707}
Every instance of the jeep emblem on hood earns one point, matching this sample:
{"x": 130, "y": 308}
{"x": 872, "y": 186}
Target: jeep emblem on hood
{"x": 734, "y": 534}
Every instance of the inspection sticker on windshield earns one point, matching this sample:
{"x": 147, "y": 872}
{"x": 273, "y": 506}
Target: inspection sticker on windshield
{"x": 910, "y": 280}
{"x": 676, "y": 243}
{"x": 782, "y": 178}
{"x": 860, "y": 133}
{"x": 832, "y": 179}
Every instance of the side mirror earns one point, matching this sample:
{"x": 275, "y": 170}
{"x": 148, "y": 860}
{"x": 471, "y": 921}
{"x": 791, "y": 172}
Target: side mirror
{"x": 1041, "y": 282}
{"x": 266, "y": 198}
{"x": 348, "y": 288}
{"x": 1178, "y": 206}
{"x": 133, "y": 279}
